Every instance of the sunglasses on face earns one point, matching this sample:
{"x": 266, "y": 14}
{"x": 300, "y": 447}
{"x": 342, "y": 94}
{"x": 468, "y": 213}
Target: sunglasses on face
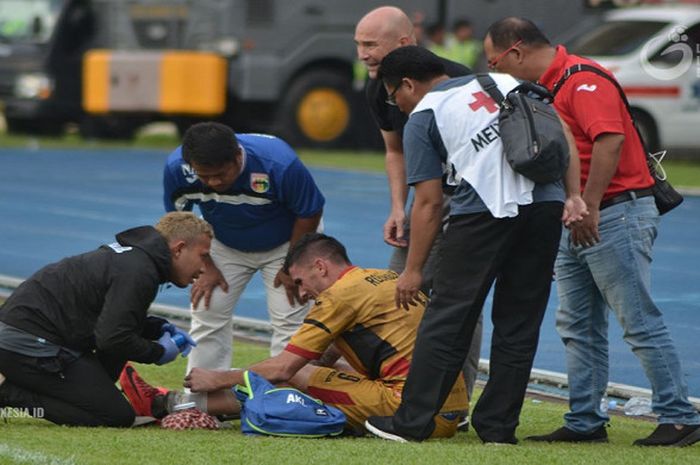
{"x": 493, "y": 63}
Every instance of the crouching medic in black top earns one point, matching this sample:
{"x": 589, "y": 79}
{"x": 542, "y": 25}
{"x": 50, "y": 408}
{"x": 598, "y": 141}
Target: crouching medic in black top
{"x": 68, "y": 330}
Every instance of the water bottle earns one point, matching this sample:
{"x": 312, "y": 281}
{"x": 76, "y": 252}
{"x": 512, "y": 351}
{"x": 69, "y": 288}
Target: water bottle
{"x": 606, "y": 404}
{"x": 638, "y": 406}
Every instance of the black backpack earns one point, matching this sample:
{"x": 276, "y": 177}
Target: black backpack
{"x": 532, "y": 135}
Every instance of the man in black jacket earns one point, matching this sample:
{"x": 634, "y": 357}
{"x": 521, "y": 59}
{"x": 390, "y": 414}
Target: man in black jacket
{"x": 68, "y": 330}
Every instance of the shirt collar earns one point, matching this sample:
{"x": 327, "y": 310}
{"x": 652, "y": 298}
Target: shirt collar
{"x": 244, "y": 157}
{"x": 552, "y": 74}
{"x": 347, "y": 270}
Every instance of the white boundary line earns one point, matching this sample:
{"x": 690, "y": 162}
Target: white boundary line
{"x": 20, "y": 455}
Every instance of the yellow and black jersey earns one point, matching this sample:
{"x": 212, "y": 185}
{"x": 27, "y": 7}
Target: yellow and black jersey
{"x": 359, "y": 314}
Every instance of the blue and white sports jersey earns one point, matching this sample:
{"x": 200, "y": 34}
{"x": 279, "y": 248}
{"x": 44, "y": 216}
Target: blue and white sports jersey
{"x": 258, "y": 211}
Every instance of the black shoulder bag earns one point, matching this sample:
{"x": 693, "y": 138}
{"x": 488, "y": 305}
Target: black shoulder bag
{"x": 665, "y": 196}
{"x": 532, "y": 135}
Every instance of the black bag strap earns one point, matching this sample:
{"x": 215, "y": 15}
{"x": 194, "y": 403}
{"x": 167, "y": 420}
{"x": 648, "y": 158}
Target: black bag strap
{"x": 490, "y": 87}
{"x": 592, "y": 69}
{"x": 525, "y": 87}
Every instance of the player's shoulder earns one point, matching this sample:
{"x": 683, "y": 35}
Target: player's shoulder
{"x": 268, "y": 149}
{"x": 175, "y": 157}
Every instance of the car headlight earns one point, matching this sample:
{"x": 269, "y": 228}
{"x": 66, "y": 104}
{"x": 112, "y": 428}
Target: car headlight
{"x": 33, "y": 85}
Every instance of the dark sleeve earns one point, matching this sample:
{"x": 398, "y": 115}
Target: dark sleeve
{"x": 376, "y": 96}
{"x": 152, "y": 328}
{"x": 454, "y": 69}
{"x": 122, "y": 321}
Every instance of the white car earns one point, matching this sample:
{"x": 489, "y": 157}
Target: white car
{"x": 655, "y": 54}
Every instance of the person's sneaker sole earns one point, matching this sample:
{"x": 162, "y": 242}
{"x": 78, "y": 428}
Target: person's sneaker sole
{"x": 463, "y": 425}
{"x": 383, "y": 434}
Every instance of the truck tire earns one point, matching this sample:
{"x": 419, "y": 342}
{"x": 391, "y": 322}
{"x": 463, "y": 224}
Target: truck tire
{"x": 316, "y": 110}
{"x": 37, "y": 127}
{"x": 647, "y": 127}
{"x": 97, "y": 127}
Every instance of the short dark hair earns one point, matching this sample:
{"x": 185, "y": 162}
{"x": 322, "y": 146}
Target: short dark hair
{"x": 507, "y": 31}
{"x": 460, "y": 23}
{"x": 210, "y": 144}
{"x": 411, "y": 62}
{"x": 435, "y": 28}
{"x": 317, "y": 245}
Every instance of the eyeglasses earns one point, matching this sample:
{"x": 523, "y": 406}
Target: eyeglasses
{"x": 391, "y": 98}
{"x": 493, "y": 63}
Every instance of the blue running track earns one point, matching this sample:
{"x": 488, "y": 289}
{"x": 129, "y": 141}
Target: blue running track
{"x": 55, "y": 203}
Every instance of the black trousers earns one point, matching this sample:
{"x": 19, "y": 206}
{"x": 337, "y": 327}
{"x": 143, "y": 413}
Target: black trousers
{"x": 66, "y": 390}
{"x": 478, "y": 249}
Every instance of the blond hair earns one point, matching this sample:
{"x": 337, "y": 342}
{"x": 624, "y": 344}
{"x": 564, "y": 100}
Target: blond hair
{"x": 184, "y": 226}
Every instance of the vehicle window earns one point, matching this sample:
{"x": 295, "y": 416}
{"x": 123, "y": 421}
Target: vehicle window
{"x": 671, "y": 57}
{"x": 28, "y": 20}
{"x": 615, "y": 38}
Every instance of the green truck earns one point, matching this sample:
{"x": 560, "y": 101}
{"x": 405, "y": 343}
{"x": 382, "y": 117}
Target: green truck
{"x": 286, "y": 67}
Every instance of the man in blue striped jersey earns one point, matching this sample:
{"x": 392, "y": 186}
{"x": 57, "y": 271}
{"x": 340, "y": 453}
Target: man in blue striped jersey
{"x": 259, "y": 198}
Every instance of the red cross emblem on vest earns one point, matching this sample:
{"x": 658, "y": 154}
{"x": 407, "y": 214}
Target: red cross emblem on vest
{"x": 483, "y": 101}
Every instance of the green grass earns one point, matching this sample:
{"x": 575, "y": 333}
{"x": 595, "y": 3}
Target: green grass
{"x": 683, "y": 173}
{"x": 27, "y": 441}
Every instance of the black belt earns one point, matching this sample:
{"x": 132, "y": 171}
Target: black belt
{"x": 626, "y": 197}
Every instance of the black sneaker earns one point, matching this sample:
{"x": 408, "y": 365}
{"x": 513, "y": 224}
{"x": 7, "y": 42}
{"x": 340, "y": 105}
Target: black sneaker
{"x": 564, "y": 434}
{"x": 463, "y": 425}
{"x": 671, "y": 435}
{"x": 383, "y": 427}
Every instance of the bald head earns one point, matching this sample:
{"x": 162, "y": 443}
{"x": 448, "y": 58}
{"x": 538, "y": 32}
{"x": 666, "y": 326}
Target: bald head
{"x": 379, "y": 32}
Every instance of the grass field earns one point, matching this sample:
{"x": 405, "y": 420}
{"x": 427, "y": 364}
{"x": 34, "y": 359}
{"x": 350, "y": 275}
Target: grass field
{"x": 28, "y": 441}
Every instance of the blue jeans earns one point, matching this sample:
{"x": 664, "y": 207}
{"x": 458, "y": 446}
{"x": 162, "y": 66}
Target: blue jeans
{"x": 615, "y": 274}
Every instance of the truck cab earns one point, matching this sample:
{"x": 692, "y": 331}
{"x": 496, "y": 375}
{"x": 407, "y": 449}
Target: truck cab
{"x": 41, "y": 48}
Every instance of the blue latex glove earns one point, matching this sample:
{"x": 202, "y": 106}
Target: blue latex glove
{"x": 170, "y": 349}
{"x": 169, "y": 328}
{"x": 186, "y": 348}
